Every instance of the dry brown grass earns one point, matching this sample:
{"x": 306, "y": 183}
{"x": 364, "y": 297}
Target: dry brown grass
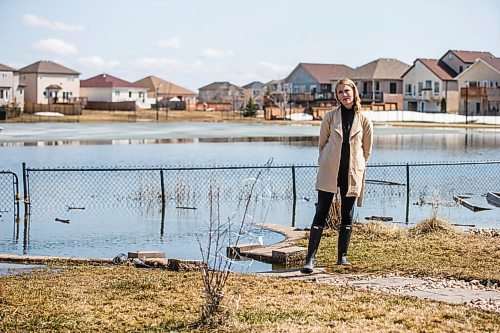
{"x": 125, "y": 299}
{"x": 433, "y": 225}
{"x": 433, "y": 248}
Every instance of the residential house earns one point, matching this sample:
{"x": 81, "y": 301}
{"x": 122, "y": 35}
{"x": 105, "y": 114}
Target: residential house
{"x": 309, "y": 83}
{"x": 222, "y": 93}
{"x": 165, "y": 92}
{"x": 273, "y": 93}
{"x": 256, "y": 91}
{"x": 47, "y": 82}
{"x": 430, "y": 86}
{"x": 108, "y": 88}
{"x": 379, "y": 83}
{"x": 480, "y": 87}
{"x": 11, "y": 91}
{"x": 459, "y": 61}
{"x": 437, "y": 85}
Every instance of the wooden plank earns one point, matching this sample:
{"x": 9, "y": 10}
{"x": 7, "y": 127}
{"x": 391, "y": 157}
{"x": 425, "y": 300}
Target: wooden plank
{"x": 475, "y": 208}
{"x": 493, "y": 198}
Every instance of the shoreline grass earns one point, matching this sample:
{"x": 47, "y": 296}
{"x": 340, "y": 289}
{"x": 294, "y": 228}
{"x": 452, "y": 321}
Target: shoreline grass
{"x": 125, "y": 299}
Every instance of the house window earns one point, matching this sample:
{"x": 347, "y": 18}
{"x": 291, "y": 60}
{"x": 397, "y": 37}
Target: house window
{"x": 428, "y": 84}
{"x": 460, "y": 69}
{"x": 141, "y": 94}
{"x": 392, "y": 88}
{"x": 436, "y": 88}
{"x": 2, "y": 94}
{"x": 312, "y": 88}
{"x": 377, "y": 86}
{"x": 4, "y": 75}
{"x": 129, "y": 94}
{"x": 420, "y": 87}
{"x": 117, "y": 92}
{"x": 408, "y": 90}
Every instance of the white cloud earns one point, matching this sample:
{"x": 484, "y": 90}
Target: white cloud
{"x": 173, "y": 43}
{"x": 275, "y": 68}
{"x": 56, "y": 46}
{"x": 40, "y": 22}
{"x": 97, "y": 62}
{"x": 158, "y": 63}
{"x": 165, "y": 64}
{"x": 216, "y": 53}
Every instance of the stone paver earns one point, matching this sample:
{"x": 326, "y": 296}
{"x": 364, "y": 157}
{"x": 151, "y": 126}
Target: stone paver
{"x": 446, "y": 290}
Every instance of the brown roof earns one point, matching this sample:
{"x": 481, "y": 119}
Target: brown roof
{"x": 325, "y": 73}
{"x": 7, "y": 68}
{"x": 47, "y": 67}
{"x": 469, "y": 57}
{"x": 164, "y": 87}
{"x": 106, "y": 81}
{"x": 493, "y": 62}
{"x": 380, "y": 69}
{"x": 443, "y": 71}
{"x": 220, "y": 86}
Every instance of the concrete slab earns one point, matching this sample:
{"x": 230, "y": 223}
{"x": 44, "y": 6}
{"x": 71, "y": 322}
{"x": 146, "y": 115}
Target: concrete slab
{"x": 454, "y": 295}
{"x": 472, "y": 294}
{"x": 395, "y": 281}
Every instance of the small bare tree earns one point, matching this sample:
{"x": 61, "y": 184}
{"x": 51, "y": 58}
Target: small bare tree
{"x": 217, "y": 270}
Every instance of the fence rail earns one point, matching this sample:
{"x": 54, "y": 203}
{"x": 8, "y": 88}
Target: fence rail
{"x": 408, "y": 184}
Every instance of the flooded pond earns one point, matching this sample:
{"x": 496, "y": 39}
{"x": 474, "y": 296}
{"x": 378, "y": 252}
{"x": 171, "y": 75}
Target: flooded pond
{"x": 114, "y": 226}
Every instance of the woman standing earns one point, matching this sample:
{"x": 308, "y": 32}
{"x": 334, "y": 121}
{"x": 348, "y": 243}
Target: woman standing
{"x": 345, "y": 144}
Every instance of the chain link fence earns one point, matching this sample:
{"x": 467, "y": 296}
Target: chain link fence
{"x": 401, "y": 185}
{"x": 9, "y": 192}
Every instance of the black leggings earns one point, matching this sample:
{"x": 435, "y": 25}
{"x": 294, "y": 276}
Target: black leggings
{"x": 325, "y": 201}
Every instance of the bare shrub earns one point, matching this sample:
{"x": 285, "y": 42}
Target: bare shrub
{"x": 215, "y": 310}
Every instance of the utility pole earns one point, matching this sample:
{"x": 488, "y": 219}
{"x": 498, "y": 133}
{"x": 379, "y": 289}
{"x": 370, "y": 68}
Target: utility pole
{"x": 466, "y": 102}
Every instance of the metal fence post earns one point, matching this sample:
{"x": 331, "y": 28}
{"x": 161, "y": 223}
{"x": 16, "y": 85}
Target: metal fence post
{"x": 162, "y": 184}
{"x": 25, "y": 187}
{"x": 407, "y": 192}
{"x": 294, "y": 195}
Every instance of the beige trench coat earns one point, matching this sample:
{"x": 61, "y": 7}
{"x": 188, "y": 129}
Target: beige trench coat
{"x": 330, "y": 145}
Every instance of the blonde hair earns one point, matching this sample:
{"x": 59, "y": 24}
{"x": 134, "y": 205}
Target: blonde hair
{"x": 350, "y": 83}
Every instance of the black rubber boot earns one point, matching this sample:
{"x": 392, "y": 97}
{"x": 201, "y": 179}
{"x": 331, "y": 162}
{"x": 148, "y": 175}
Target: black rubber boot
{"x": 343, "y": 244}
{"x": 314, "y": 239}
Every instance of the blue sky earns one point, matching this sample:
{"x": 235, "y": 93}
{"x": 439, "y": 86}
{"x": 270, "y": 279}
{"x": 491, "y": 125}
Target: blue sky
{"x": 195, "y": 42}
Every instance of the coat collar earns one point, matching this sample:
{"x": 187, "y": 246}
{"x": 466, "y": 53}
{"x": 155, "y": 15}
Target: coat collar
{"x": 337, "y": 121}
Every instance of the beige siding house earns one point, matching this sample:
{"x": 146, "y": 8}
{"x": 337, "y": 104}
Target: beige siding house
{"x": 480, "y": 87}
{"x": 48, "y": 82}
{"x": 379, "y": 83}
{"x": 11, "y": 91}
{"x": 163, "y": 90}
{"x": 429, "y": 86}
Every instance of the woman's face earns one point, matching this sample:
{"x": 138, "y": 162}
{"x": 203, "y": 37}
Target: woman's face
{"x": 345, "y": 95}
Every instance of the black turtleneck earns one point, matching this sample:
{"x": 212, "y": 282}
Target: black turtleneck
{"x": 347, "y": 120}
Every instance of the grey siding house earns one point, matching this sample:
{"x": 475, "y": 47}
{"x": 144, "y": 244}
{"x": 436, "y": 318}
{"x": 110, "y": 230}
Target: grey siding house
{"x": 222, "y": 92}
